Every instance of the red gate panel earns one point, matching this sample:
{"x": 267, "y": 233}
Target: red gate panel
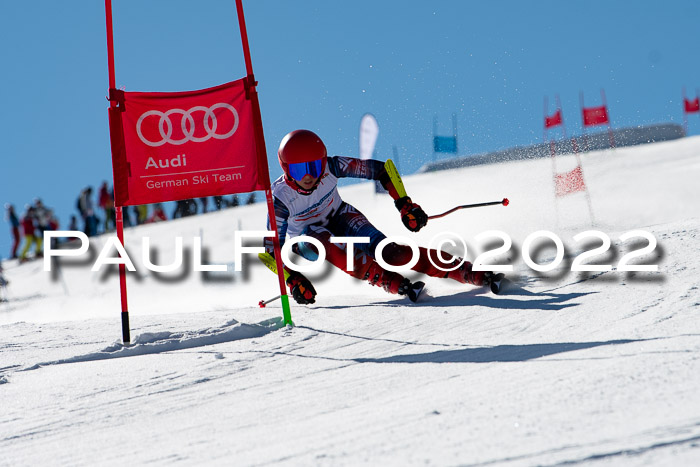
{"x": 183, "y": 145}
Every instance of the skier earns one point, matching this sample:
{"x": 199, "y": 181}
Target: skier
{"x": 307, "y": 202}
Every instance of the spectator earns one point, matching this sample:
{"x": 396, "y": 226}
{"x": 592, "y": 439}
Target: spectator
{"x": 158, "y": 214}
{"x": 137, "y": 217}
{"x": 234, "y": 201}
{"x": 184, "y": 208}
{"x": 14, "y": 228}
{"x": 42, "y": 214}
{"x": 29, "y": 227}
{"x": 106, "y": 202}
{"x": 87, "y": 211}
{"x": 220, "y": 202}
{"x": 126, "y": 217}
{"x": 53, "y": 225}
{"x": 205, "y": 202}
{"x": 251, "y": 198}
{"x": 79, "y": 206}
{"x": 73, "y": 223}
{"x": 141, "y": 212}
{"x": 191, "y": 207}
{"x": 180, "y": 208}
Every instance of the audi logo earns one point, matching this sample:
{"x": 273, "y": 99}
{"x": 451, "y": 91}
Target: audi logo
{"x": 165, "y": 126}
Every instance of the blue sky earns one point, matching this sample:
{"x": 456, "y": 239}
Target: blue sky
{"x": 321, "y": 65}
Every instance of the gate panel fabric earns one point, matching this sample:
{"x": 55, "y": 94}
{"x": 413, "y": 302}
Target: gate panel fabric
{"x": 593, "y": 116}
{"x": 445, "y": 144}
{"x": 691, "y": 106}
{"x": 569, "y": 182}
{"x": 182, "y": 145}
{"x": 554, "y": 120}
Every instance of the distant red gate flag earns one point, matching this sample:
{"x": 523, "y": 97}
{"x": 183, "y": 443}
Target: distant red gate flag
{"x": 554, "y": 120}
{"x": 595, "y": 116}
{"x": 181, "y": 145}
{"x": 569, "y": 182}
{"x": 691, "y": 106}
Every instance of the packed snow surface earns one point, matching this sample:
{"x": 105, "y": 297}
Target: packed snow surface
{"x": 564, "y": 368}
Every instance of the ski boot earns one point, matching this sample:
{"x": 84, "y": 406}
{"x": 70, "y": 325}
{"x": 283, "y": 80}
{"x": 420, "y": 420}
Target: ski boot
{"x": 393, "y": 283}
{"x": 495, "y": 281}
{"x": 466, "y": 275}
{"x": 411, "y": 290}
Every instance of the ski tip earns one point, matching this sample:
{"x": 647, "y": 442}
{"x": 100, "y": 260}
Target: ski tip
{"x": 415, "y": 291}
{"x": 499, "y": 284}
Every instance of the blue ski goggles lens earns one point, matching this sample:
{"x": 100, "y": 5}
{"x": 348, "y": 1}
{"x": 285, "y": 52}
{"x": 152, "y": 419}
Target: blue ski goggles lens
{"x": 300, "y": 169}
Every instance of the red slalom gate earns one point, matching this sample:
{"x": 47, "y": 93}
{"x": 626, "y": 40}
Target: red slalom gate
{"x": 689, "y": 107}
{"x": 182, "y": 145}
{"x": 554, "y": 120}
{"x": 594, "y": 116}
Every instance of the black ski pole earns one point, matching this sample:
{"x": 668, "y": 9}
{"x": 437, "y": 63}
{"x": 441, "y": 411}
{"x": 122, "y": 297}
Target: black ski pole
{"x": 504, "y": 202}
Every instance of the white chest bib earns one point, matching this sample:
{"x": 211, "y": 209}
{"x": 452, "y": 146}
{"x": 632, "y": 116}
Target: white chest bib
{"x": 304, "y": 210}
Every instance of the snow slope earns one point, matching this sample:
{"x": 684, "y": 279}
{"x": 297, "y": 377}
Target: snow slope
{"x": 567, "y": 368}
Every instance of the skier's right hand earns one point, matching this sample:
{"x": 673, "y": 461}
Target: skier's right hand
{"x": 302, "y": 290}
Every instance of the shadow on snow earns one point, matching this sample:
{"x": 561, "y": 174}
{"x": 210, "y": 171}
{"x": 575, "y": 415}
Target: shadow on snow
{"x": 547, "y": 301}
{"x": 499, "y": 353}
{"x": 159, "y": 342}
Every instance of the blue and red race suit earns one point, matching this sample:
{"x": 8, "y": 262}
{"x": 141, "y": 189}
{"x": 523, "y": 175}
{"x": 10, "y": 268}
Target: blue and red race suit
{"x": 322, "y": 214}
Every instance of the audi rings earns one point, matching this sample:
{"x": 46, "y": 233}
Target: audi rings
{"x": 165, "y": 126}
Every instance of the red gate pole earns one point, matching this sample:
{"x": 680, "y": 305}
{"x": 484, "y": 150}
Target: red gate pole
{"x": 126, "y": 335}
{"x": 611, "y": 136}
{"x": 561, "y": 112}
{"x": 544, "y": 130}
{"x": 584, "y": 136}
{"x": 685, "y": 114}
{"x": 262, "y": 161}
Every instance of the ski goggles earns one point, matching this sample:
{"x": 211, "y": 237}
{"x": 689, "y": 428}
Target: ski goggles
{"x": 299, "y": 170}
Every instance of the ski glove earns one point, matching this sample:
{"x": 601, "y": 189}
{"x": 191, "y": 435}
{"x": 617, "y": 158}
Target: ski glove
{"x": 412, "y": 215}
{"x": 302, "y": 290}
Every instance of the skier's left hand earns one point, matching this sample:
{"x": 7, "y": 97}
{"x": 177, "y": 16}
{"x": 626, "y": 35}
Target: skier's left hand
{"x": 412, "y": 215}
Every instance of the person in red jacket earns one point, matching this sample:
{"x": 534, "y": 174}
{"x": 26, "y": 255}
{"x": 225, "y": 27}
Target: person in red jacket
{"x": 158, "y": 214}
{"x": 307, "y": 202}
{"x": 29, "y": 228}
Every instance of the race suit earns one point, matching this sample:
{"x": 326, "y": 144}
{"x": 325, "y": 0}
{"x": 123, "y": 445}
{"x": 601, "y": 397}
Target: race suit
{"x": 322, "y": 214}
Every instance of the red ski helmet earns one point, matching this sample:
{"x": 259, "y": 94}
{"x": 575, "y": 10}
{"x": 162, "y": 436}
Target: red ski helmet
{"x": 298, "y": 147}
